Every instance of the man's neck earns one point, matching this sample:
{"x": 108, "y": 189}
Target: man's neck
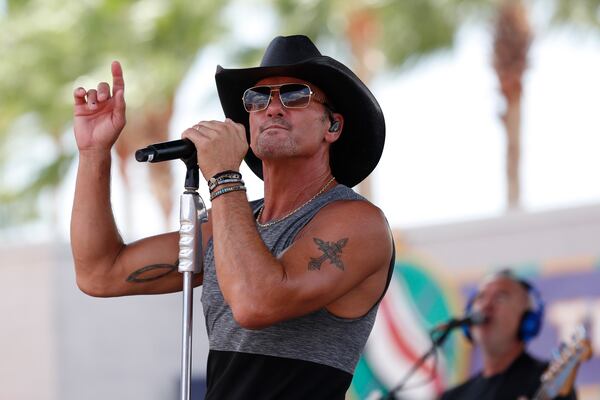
{"x": 495, "y": 362}
{"x": 288, "y": 187}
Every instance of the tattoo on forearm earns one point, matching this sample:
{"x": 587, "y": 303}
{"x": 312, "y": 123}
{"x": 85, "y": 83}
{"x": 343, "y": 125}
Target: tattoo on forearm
{"x": 152, "y": 272}
{"x": 331, "y": 251}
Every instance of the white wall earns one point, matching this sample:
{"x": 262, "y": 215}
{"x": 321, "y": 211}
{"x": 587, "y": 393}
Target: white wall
{"x": 516, "y": 238}
{"x": 60, "y": 344}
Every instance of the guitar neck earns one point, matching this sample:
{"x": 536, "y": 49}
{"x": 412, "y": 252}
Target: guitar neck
{"x": 541, "y": 394}
{"x": 560, "y": 376}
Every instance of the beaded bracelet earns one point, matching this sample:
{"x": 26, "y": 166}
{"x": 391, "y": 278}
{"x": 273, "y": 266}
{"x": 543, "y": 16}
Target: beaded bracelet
{"x": 221, "y": 176}
{"x": 226, "y": 190}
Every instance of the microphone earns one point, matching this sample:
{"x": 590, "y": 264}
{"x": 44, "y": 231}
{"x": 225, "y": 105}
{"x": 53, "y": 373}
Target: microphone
{"x": 183, "y": 148}
{"x": 474, "y": 318}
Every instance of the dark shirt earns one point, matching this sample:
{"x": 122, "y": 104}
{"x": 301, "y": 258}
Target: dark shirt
{"x": 521, "y": 378}
{"x": 310, "y": 357}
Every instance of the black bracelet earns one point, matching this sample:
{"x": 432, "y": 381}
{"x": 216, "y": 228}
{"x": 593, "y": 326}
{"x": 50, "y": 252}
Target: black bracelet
{"x": 221, "y": 176}
{"x": 227, "y": 172}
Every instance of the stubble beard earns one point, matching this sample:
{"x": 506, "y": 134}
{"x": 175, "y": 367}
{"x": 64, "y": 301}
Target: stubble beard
{"x": 270, "y": 146}
{"x": 275, "y": 145}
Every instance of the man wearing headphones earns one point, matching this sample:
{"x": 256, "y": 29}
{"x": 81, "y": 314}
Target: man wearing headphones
{"x": 513, "y": 311}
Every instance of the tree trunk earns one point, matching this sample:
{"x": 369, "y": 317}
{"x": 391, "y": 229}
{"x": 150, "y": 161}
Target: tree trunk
{"x": 362, "y": 32}
{"x": 146, "y": 126}
{"x": 512, "y": 124}
{"x": 511, "y": 46}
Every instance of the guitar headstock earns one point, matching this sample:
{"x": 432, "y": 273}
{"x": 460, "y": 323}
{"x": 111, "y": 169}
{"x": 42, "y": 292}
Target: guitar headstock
{"x": 560, "y": 375}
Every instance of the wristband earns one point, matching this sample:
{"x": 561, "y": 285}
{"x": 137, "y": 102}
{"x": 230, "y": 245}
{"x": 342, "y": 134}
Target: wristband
{"x": 221, "y": 176}
{"x": 227, "y": 190}
{"x": 213, "y": 185}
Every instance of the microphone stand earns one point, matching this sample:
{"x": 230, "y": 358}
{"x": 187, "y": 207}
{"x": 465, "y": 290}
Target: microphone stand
{"x": 192, "y": 215}
{"x": 435, "y": 343}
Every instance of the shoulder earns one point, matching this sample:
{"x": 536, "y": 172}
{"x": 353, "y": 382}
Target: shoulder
{"x": 344, "y": 206}
{"x": 358, "y": 219}
{"x": 354, "y": 210}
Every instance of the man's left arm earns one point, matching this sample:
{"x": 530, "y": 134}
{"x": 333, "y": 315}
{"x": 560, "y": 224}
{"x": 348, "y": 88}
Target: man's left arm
{"x": 339, "y": 261}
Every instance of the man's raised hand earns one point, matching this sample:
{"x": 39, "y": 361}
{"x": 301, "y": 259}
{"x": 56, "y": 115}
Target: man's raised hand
{"x": 99, "y": 116}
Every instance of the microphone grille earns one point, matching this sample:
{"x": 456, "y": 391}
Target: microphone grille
{"x": 477, "y": 318}
{"x": 145, "y": 154}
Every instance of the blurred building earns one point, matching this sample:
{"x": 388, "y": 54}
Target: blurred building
{"x": 57, "y": 343}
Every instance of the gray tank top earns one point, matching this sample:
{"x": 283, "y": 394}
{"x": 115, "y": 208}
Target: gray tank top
{"x": 319, "y": 337}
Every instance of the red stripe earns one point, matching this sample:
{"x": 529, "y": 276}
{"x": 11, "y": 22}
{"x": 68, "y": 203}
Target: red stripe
{"x": 404, "y": 347}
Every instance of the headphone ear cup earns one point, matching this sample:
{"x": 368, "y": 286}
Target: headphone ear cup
{"x": 335, "y": 125}
{"x": 530, "y": 325}
{"x": 532, "y": 320}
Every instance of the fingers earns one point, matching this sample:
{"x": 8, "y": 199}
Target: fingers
{"x": 103, "y": 91}
{"x": 240, "y": 129}
{"x": 220, "y": 143}
{"x": 95, "y": 99}
{"x": 119, "y": 99}
{"x": 223, "y": 126}
{"x": 117, "y": 74}
{"x": 79, "y": 96}
{"x": 210, "y": 126}
{"x": 216, "y": 130}
{"x": 92, "y": 99}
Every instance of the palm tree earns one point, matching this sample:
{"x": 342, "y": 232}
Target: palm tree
{"x": 46, "y": 44}
{"x": 511, "y": 45}
{"x": 513, "y": 37}
{"x": 389, "y": 34}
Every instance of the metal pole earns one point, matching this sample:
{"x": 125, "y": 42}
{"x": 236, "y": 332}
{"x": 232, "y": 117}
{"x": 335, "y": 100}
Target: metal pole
{"x": 192, "y": 215}
{"x": 186, "y": 340}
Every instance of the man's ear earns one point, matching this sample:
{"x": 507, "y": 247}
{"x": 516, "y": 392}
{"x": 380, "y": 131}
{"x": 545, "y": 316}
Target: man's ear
{"x": 335, "y": 128}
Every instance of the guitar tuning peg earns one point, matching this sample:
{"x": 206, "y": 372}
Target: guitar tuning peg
{"x": 582, "y": 331}
{"x": 557, "y": 352}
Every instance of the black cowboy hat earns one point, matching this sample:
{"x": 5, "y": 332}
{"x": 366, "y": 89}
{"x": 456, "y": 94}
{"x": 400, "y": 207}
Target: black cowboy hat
{"x": 358, "y": 150}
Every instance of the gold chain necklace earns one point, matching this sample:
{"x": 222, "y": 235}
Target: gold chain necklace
{"x": 275, "y": 221}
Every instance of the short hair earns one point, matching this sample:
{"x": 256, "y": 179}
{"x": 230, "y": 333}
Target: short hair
{"x": 510, "y": 274}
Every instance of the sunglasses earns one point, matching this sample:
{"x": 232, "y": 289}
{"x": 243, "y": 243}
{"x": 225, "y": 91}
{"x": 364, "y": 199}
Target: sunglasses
{"x": 291, "y": 95}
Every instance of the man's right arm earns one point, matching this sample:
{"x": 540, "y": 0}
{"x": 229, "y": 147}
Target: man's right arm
{"x": 104, "y": 264}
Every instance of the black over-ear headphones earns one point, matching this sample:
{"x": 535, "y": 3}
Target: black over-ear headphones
{"x": 531, "y": 321}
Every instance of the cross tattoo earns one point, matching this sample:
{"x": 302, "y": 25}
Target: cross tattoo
{"x": 331, "y": 251}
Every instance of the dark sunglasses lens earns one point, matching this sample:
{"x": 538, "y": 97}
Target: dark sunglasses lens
{"x": 257, "y": 98}
{"x": 294, "y": 95}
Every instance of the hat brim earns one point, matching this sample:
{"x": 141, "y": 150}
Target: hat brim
{"x": 358, "y": 150}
